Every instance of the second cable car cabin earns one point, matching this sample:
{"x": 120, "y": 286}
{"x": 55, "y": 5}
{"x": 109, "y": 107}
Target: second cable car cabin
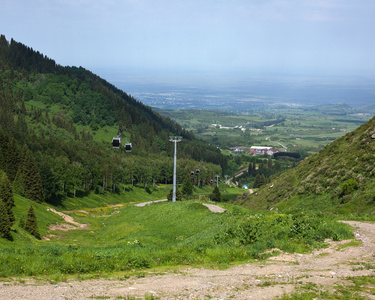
{"x": 128, "y": 147}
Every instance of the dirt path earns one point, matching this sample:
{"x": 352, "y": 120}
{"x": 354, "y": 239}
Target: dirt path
{"x": 149, "y": 202}
{"x": 211, "y": 207}
{"x": 214, "y": 208}
{"x": 261, "y": 280}
{"x": 68, "y": 219}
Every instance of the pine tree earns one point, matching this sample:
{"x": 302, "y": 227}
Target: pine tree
{"x": 170, "y": 195}
{"x": 27, "y": 182}
{"x": 216, "y": 195}
{"x": 269, "y": 164}
{"x": 178, "y": 195}
{"x": 9, "y": 155}
{"x": 31, "y": 225}
{"x": 187, "y": 189}
{"x": 6, "y": 195}
{"x": 250, "y": 169}
{"x": 5, "y": 225}
{"x": 257, "y": 181}
{"x": 260, "y": 180}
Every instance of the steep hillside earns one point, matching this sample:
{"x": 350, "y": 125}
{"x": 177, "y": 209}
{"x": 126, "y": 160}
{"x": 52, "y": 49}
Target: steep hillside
{"x": 61, "y": 120}
{"x": 339, "y": 178}
{"x": 83, "y": 98}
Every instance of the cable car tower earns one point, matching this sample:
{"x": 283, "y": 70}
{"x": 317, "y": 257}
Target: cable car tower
{"x": 175, "y": 140}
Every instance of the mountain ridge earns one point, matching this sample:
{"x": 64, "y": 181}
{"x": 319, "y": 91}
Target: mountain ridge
{"x": 66, "y": 117}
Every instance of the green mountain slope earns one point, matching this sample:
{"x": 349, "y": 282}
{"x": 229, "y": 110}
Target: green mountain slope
{"x": 339, "y": 178}
{"x": 61, "y": 121}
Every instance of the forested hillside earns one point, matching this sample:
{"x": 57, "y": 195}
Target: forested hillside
{"x": 57, "y": 123}
{"x": 340, "y": 178}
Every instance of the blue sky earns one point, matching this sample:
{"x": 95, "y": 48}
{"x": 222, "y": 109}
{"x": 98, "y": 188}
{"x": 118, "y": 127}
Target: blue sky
{"x": 289, "y": 36}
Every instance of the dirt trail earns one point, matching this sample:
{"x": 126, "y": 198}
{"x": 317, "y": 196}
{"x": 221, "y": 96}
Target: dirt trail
{"x": 214, "y": 208}
{"x": 149, "y": 202}
{"x": 261, "y": 280}
{"x": 67, "y": 219}
{"x": 211, "y": 207}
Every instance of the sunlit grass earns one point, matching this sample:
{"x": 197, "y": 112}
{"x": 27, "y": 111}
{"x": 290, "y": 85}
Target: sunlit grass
{"x": 125, "y": 238}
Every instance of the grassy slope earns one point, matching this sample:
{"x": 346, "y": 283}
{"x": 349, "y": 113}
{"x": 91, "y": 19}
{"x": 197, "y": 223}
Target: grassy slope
{"x": 162, "y": 234}
{"x": 316, "y": 183}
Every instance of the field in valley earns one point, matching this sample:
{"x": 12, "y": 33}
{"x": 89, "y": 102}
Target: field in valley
{"x": 291, "y": 128}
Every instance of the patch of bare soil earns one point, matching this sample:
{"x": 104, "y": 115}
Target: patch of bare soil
{"x": 149, "y": 202}
{"x": 214, "y": 208}
{"x": 211, "y": 207}
{"x": 68, "y": 219}
{"x": 261, "y": 280}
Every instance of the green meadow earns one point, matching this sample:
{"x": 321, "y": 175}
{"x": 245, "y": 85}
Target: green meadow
{"x": 127, "y": 238}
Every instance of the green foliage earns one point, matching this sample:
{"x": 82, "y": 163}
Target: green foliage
{"x": 178, "y": 195}
{"x": 31, "y": 224}
{"x": 349, "y": 186}
{"x": 286, "y": 232}
{"x": 216, "y": 195}
{"x": 5, "y": 224}
{"x": 6, "y": 196}
{"x": 188, "y": 187}
{"x": 260, "y": 180}
{"x": 62, "y": 115}
{"x": 9, "y": 155}
{"x": 27, "y": 181}
{"x": 181, "y": 233}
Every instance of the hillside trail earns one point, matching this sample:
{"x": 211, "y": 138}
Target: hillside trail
{"x": 264, "y": 279}
{"x": 211, "y": 207}
{"x": 68, "y": 219}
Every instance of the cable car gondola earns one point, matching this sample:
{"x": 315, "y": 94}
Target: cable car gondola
{"x": 128, "y": 147}
{"x": 116, "y": 142}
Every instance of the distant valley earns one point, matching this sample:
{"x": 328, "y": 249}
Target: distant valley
{"x": 246, "y": 93}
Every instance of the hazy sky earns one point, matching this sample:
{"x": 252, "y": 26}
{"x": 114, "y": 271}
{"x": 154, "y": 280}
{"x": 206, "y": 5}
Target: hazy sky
{"x": 210, "y": 35}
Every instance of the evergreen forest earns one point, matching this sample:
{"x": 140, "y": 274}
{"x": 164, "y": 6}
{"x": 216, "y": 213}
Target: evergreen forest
{"x": 57, "y": 124}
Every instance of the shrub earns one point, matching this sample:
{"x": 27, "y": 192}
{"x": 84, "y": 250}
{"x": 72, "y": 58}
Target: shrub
{"x": 178, "y": 195}
{"x": 319, "y": 190}
{"x": 349, "y": 187}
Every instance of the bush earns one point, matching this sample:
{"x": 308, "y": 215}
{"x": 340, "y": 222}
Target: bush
{"x": 349, "y": 187}
{"x": 178, "y": 195}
